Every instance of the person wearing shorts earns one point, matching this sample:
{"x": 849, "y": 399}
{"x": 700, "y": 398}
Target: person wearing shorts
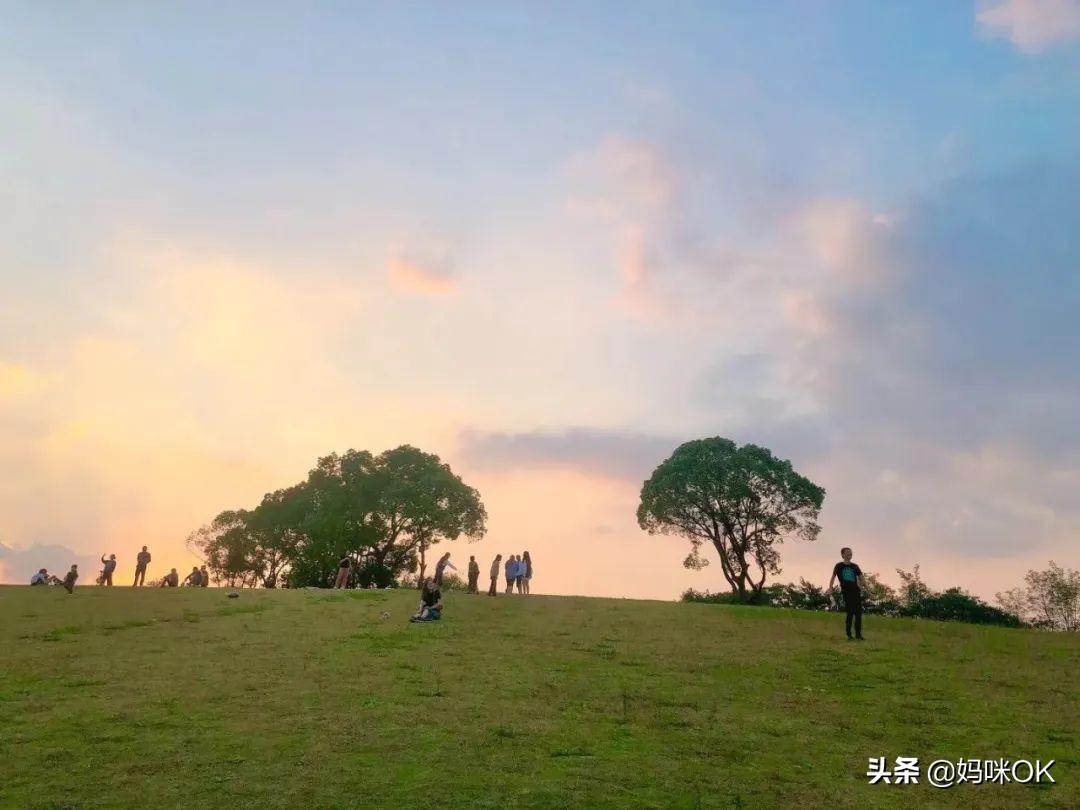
{"x": 343, "y": 571}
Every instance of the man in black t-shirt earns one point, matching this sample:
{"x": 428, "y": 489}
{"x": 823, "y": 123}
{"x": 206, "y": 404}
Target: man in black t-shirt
{"x": 850, "y": 577}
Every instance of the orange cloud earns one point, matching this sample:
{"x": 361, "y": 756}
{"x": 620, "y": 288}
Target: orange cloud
{"x": 412, "y": 276}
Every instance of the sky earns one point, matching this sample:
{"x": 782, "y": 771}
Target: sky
{"x": 548, "y": 242}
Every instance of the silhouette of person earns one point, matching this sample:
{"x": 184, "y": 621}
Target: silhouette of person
{"x": 205, "y": 580}
{"x": 107, "y": 570}
{"x": 474, "y": 575}
{"x": 441, "y": 566}
{"x": 69, "y": 579}
{"x": 171, "y": 579}
{"x": 194, "y": 579}
{"x": 494, "y": 589}
{"x": 142, "y": 560}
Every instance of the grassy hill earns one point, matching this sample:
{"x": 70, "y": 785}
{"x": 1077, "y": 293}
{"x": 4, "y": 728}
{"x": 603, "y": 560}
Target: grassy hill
{"x": 116, "y": 698}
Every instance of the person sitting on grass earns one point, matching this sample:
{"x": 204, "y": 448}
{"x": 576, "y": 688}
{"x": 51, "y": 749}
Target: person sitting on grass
{"x": 170, "y": 580}
{"x": 430, "y": 603}
{"x": 194, "y": 579}
{"x": 205, "y": 581}
{"x": 69, "y": 580}
{"x": 42, "y": 577}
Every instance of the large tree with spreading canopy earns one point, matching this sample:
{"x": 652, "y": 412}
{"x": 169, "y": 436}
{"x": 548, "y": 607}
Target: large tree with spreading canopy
{"x": 742, "y": 500}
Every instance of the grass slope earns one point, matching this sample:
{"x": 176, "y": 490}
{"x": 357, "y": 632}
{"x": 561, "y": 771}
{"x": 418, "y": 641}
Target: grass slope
{"x": 123, "y": 698}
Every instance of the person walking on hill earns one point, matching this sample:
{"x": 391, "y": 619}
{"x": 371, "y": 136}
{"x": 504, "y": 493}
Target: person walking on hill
{"x": 69, "y": 580}
{"x": 440, "y": 568}
{"x": 141, "y": 561}
{"x": 527, "y": 575}
{"x": 474, "y": 575}
{"x": 205, "y": 581}
{"x": 109, "y": 566}
{"x": 851, "y": 578}
{"x": 494, "y": 589}
{"x": 344, "y": 568}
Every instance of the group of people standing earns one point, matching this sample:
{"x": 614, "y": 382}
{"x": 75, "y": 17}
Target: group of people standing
{"x": 518, "y": 571}
{"x": 198, "y": 578}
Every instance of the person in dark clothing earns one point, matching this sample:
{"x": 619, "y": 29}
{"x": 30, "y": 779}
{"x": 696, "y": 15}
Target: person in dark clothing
{"x": 474, "y": 575}
{"x": 141, "y": 561}
{"x": 430, "y": 603}
{"x": 441, "y": 566}
{"x": 205, "y": 582}
{"x": 194, "y": 579}
{"x": 69, "y": 580}
{"x": 107, "y": 571}
{"x": 171, "y": 579}
{"x": 851, "y": 581}
{"x": 495, "y": 568}
{"x": 343, "y": 570}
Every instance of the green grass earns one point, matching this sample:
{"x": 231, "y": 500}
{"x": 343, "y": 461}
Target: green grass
{"x": 126, "y": 698}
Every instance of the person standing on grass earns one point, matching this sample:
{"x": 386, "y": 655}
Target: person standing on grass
{"x": 107, "y": 570}
{"x": 519, "y": 574}
{"x": 474, "y": 575}
{"x": 494, "y": 589}
{"x": 440, "y": 568}
{"x": 142, "y": 560}
{"x": 205, "y": 581}
{"x": 511, "y": 573}
{"x": 69, "y": 580}
{"x": 527, "y": 575}
{"x": 344, "y": 568}
{"x": 851, "y": 578}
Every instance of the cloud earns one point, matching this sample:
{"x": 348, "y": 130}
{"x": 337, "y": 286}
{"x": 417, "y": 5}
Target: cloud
{"x": 628, "y": 186}
{"x": 430, "y": 275}
{"x": 1031, "y": 25}
{"x": 19, "y": 564}
{"x": 18, "y": 380}
{"x": 614, "y": 454}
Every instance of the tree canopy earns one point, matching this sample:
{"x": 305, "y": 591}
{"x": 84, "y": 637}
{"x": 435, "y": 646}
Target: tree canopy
{"x": 382, "y": 511}
{"x": 741, "y": 499}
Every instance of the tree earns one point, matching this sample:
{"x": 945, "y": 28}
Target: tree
{"x": 230, "y": 549}
{"x": 384, "y": 512}
{"x": 742, "y": 500}
{"x": 1051, "y": 599}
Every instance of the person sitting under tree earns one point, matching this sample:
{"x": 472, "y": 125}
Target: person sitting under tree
{"x": 194, "y": 579}
{"x": 851, "y": 578}
{"x": 205, "y": 581}
{"x": 430, "y": 603}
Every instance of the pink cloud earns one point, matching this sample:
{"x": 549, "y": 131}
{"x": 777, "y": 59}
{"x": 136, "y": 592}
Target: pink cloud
{"x": 1031, "y": 25}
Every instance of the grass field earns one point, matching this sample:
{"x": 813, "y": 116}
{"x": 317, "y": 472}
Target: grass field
{"x": 183, "y": 698}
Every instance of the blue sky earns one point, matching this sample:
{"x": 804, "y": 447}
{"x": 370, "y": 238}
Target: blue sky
{"x": 546, "y": 241}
